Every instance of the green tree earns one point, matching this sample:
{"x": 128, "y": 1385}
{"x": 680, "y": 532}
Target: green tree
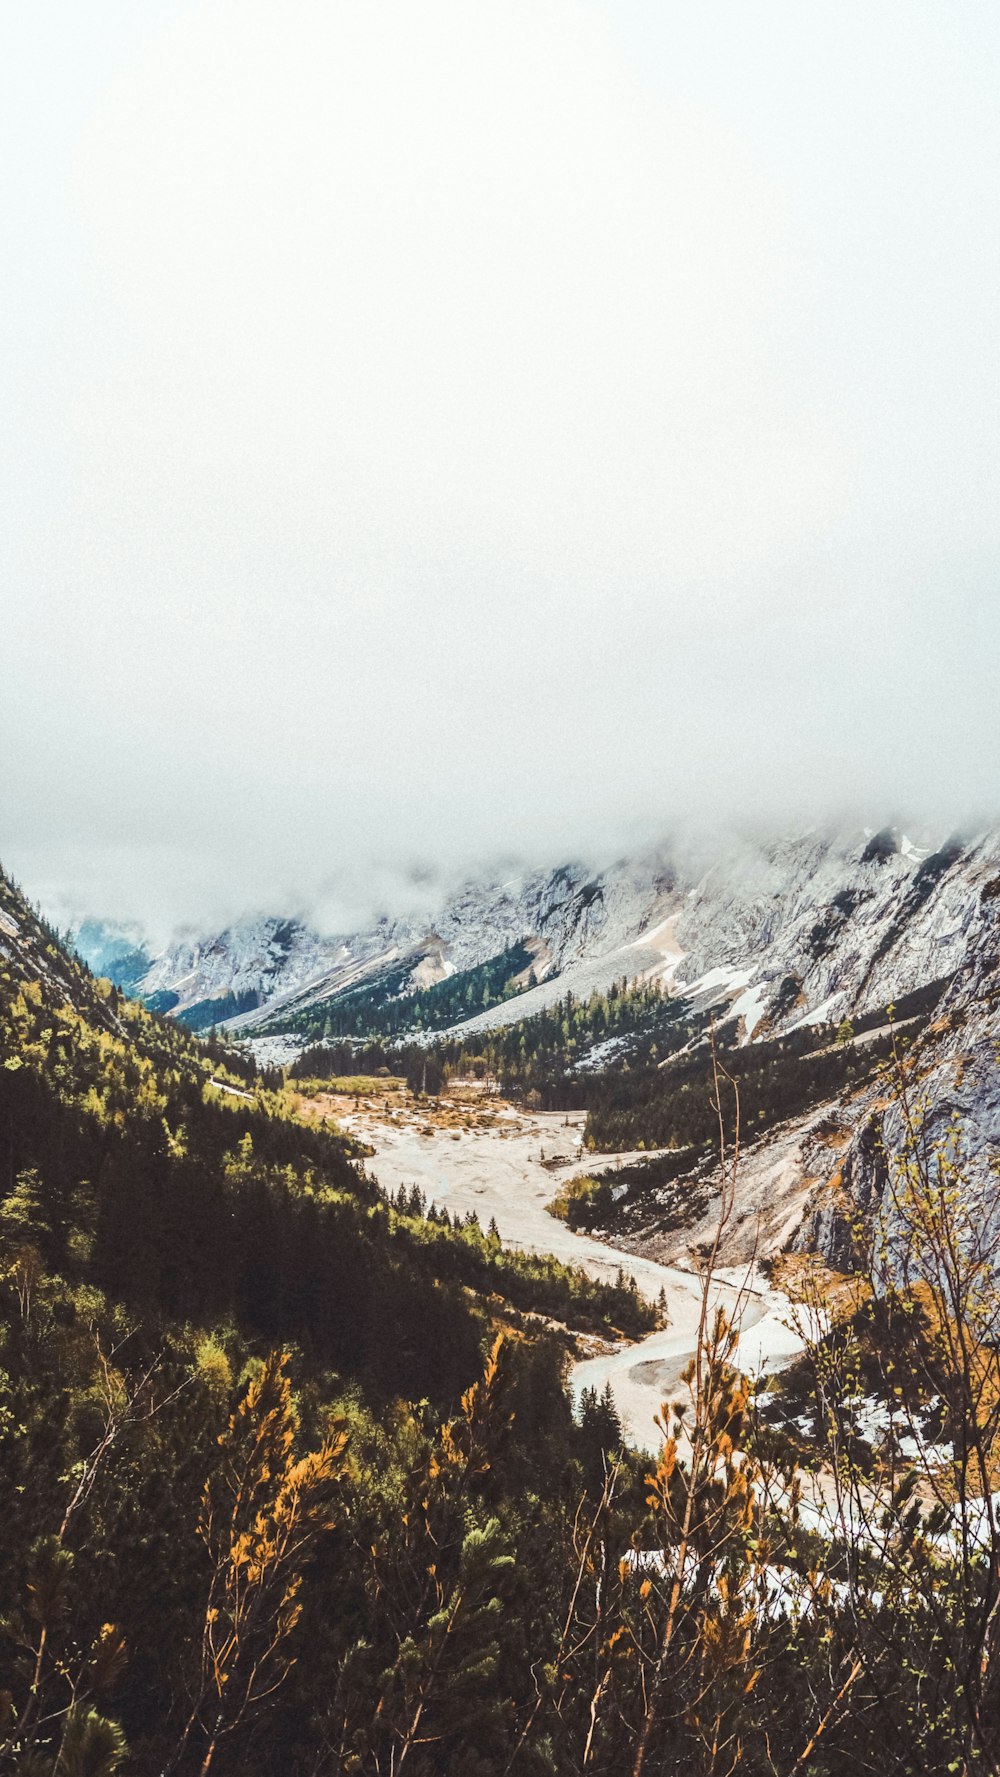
{"x": 264, "y": 1509}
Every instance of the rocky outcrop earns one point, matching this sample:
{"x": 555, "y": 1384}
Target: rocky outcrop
{"x": 952, "y": 1082}
{"x": 781, "y": 931}
{"x": 773, "y": 932}
{"x": 575, "y": 918}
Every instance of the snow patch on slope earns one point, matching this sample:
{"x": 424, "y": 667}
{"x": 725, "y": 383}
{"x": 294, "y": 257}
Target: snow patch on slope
{"x": 751, "y": 1007}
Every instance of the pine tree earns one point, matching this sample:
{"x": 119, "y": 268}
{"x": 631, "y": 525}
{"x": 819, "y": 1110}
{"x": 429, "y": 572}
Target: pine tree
{"x": 263, "y": 1511}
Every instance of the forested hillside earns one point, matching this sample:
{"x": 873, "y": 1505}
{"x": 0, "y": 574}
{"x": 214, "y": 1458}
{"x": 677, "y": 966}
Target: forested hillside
{"x": 167, "y": 1221}
{"x": 290, "y": 1480}
{"x": 639, "y": 1063}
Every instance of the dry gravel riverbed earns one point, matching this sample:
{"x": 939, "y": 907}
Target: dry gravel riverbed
{"x": 491, "y": 1158}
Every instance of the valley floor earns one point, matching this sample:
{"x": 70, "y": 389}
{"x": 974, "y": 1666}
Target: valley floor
{"x": 482, "y": 1155}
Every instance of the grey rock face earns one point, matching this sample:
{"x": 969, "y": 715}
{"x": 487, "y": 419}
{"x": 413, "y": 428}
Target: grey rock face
{"x": 823, "y": 924}
{"x": 779, "y": 931}
{"x": 952, "y": 1077}
{"x": 851, "y": 924}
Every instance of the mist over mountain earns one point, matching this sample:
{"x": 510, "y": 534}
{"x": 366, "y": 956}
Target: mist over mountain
{"x": 843, "y": 913}
{"x": 447, "y": 435}
{"x": 500, "y": 906}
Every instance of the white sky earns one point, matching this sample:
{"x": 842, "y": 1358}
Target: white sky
{"x": 434, "y": 429}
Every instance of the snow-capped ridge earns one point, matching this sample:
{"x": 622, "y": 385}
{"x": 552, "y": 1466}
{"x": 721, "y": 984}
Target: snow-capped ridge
{"x": 777, "y": 931}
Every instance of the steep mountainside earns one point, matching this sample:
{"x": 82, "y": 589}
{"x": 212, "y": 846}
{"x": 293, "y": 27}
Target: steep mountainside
{"x": 269, "y": 969}
{"x": 853, "y": 971}
{"x": 815, "y": 929}
{"x": 805, "y": 928}
{"x": 33, "y": 959}
{"x": 176, "y": 1242}
{"x": 786, "y": 940}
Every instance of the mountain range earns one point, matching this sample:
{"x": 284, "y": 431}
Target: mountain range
{"x": 776, "y": 931}
{"x": 775, "y": 936}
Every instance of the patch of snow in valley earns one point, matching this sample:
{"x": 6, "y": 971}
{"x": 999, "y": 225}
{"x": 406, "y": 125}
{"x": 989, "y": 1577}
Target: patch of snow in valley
{"x": 234, "y": 1091}
{"x": 874, "y": 1419}
{"x": 601, "y": 1053}
{"x": 934, "y": 1455}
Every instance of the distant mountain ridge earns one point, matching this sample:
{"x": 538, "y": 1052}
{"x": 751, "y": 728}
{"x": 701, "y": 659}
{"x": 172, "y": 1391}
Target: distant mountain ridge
{"x": 799, "y": 928}
{"x": 774, "y": 936}
{"x": 566, "y": 915}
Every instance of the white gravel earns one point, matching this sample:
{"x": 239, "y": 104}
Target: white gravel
{"x": 498, "y": 1172}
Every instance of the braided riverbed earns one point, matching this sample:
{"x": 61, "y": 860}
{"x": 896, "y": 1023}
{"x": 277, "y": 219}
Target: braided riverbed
{"x": 509, "y": 1170}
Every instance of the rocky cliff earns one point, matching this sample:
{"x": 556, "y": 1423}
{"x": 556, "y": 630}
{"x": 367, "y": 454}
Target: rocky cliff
{"x": 775, "y": 933}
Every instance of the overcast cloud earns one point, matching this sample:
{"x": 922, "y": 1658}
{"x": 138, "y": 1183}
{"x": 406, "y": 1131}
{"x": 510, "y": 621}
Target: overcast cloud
{"x": 436, "y": 430}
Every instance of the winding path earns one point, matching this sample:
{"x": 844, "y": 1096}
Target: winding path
{"x": 498, "y": 1171}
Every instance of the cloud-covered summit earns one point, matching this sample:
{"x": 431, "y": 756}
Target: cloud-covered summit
{"x": 440, "y": 431}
